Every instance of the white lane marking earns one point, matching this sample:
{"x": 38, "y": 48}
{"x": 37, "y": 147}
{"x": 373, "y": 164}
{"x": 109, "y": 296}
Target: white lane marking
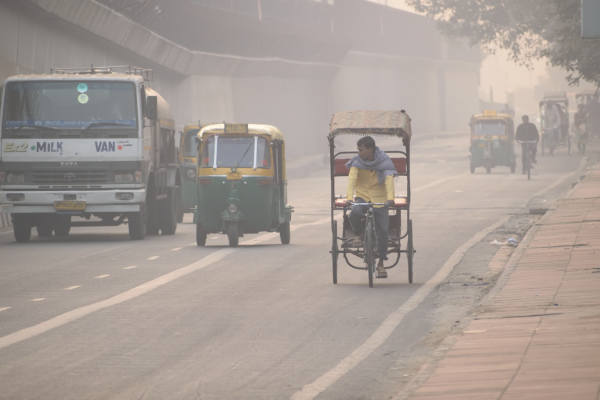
{"x": 153, "y": 258}
{"x": 437, "y": 182}
{"x": 101, "y": 276}
{"x": 133, "y": 266}
{"x": 72, "y": 287}
{"x": 40, "y": 299}
{"x": 176, "y": 248}
{"x": 73, "y": 315}
{"x": 4, "y": 308}
{"x": 313, "y": 389}
{"x": 384, "y": 330}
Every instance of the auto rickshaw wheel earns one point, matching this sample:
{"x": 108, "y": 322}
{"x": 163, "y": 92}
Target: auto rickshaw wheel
{"x": 513, "y": 167}
{"x": 284, "y": 233}
{"x": 136, "y": 222}
{"x": 488, "y": 169}
{"x": 472, "y": 169}
{"x": 410, "y": 251}
{"x": 232, "y": 234}
{"x": 334, "y": 252}
{"x": 200, "y": 235}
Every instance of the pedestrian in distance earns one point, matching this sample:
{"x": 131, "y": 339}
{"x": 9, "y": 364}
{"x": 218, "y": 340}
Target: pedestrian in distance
{"x": 552, "y": 121}
{"x": 527, "y": 132}
{"x": 579, "y": 129}
{"x": 371, "y": 176}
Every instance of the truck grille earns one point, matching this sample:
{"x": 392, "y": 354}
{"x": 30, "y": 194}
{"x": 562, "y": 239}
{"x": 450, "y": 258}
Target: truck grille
{"x": 69, "y": 177}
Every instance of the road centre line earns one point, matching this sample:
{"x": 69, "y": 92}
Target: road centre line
{"x": 176, "y": 248}
{"x": 137, "y": 291}
{"x": 100, "y": 276}
{"x": 384, "y": 330}
{"x": 4, "y": 308}
{"x": 38, "y": 299}
{"x": 152, "y": 258}
{"x": 133, "y": 266}
{"x": 72, "y": 287}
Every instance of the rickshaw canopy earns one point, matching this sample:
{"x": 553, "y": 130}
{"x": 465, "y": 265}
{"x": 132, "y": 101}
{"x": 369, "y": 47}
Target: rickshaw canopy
{"x": 375, "y": 123}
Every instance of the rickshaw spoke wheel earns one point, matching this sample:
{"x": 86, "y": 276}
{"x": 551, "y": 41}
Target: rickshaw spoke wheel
{"x": 410, "y": 251}
{"x": 369, "y": 253}
{"x": 334, "y": 252}
{"x": 232, "y": 234}
{"x": 200, "y": 235}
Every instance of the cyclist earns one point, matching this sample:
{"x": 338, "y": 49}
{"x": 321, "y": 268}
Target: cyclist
{"x": 372, "y": 177}
{"x": 527, "y": 132}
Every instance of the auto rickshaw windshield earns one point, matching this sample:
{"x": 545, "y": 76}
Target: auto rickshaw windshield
{"x": 236, "y": 152}
{"x": 189, "y": 144}
{"x": 489, "y": 128}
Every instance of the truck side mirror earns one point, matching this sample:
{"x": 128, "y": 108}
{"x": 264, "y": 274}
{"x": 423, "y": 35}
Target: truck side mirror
{"x": 152, "y": 107}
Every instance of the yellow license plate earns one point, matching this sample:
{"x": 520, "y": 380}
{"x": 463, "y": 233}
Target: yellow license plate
{"x": 69, "y": 205}
{"x": 234, "y": 175}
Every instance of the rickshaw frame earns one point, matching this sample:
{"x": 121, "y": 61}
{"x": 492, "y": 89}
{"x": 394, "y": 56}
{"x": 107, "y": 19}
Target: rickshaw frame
{"x": 561, "y": 98}
{"x": 372, "y": 123}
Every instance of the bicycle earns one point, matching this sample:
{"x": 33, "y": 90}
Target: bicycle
{"x": 370, "y": 243}
{"x": 527, "y": 162}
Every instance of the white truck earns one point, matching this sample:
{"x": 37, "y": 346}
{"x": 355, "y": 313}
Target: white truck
{"x": 87, "y": 142}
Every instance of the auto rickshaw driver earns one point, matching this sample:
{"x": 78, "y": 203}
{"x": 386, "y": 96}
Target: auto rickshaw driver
{"x": 371, "y": 175}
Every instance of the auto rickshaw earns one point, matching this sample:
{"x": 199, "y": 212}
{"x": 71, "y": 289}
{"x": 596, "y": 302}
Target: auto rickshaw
{"x": 492, "y": 141}
{"x": 241, "y": 182}
{"x": 188, "y": 195}
{"x": 550, "y": 143}
{"x": 387, "y": 124}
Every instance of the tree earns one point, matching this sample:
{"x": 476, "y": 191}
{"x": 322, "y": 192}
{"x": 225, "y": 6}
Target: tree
{"x": 527, "y": 29}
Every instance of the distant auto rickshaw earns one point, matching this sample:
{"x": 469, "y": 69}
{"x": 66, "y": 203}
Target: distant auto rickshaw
{"x": 550, "y": 140}
{"x": 390, "y": 124}
{"x": 241, "y": 182}
{"x": 188, "y": 151}
{"x": 492, "y": 141}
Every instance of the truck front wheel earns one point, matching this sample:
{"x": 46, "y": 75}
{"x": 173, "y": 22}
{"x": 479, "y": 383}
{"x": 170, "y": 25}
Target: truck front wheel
{"x": 167, "y": 212}
{"x": 137, "y": 223}
{"x": 21, "y": 228}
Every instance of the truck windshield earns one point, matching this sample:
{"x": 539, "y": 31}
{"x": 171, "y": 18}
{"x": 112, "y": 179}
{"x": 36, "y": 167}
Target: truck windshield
{"x": 491, "y": 128}
{"x": 69, "y": 105}
{"x": 189, "y": 144}
{"x": 236, "y": 152}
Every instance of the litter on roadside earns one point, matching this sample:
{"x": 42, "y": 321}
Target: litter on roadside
{"x": 512, "y": 242}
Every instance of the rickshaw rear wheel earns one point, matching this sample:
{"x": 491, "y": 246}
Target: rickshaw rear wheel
{"x": 334, "y": 252}
{"x": 410, "y": 251}
{"x": 200, "y": 235}
{"x": 136, "y": 223}
{"x": 232, "y": 234}
{"x": 284, "y": 233}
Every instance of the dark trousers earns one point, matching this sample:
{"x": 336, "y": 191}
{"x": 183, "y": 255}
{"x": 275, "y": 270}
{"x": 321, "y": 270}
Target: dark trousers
{"x": 382, "y": 224}
{"x": 524, "y": 148}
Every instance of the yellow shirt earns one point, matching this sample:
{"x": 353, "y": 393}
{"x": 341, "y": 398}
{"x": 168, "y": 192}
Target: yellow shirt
{"x": 367, "y": 186}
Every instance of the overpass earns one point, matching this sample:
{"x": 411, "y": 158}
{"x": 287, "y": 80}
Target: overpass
{"x": 287, "y": 63}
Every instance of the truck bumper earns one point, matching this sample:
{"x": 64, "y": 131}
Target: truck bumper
{"x": 95, "y": 201}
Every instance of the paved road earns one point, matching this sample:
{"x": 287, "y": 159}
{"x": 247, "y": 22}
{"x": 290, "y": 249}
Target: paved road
{"x": 98, "y": 316}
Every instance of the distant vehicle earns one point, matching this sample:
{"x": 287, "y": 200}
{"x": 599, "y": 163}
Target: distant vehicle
{"x": 87, "y": 142}
{"x": 584, "y": 97}
{"x": 551, "y": 142}
{"x": 242, "y": 185}
{"x": 492, "y": 141}
{"x": 188, "y": 153}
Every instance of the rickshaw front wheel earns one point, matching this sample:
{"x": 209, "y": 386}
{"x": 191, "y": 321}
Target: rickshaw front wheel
{"x": 232, "y": 234}
{"x": 334, "y": 252}
{"x": 200, "y": 235}
{"x": 284, "y": 233}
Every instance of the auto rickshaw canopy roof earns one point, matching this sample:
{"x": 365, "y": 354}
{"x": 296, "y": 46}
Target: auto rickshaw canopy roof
{"x": 497, "y": 116}
{"x": 253, "y": 129}
{"x": 374, "y": 123}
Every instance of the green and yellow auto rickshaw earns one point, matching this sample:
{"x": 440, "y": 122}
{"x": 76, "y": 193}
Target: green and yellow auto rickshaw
{"x": 492, "y": 141}
{"x": 188, "y": 151}
{"x": 241, "y": 182}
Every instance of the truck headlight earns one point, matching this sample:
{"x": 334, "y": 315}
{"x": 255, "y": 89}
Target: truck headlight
{"x": 191, "y": 173}
{"x": 15, "y": 197}
{"x": 232, "y": 208}
{"x": 123, "y": 177}
{"x": 14, "y": 177}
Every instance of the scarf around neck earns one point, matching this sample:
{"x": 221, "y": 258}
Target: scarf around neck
{"x": 382, "y": 164}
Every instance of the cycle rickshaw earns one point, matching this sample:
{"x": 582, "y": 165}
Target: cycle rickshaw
{"x": 548, "y": 141}
{"x": 391, "y": 124}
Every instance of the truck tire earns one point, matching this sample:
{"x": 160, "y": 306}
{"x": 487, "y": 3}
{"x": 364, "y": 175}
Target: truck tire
{"x": 180, "y": 210}
{"x": 152, "y": 226}
{"x": 137, "y": 223}
{"x": 45, "y": 225}
{"x": 21, "y": 229}
{"x": 62, "y": 225}
{"x": 200, "y": 235}
{"x": 167, "y": 211}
